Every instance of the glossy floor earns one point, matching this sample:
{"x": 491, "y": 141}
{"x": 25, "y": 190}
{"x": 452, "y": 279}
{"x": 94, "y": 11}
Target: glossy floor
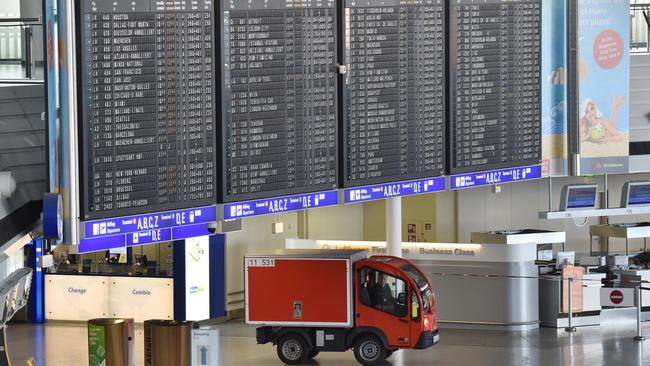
{"x": 57, "y": 344}
{"x": 17, "y": 71}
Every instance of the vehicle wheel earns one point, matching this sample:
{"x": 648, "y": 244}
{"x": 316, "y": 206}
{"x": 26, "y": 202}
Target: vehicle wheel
{"x": 313, "y": 353}
{"x": 368, "y": 350}
{"x": 292, "y": 349}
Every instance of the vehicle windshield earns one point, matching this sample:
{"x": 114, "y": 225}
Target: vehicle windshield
{"x": 423, "y": 286}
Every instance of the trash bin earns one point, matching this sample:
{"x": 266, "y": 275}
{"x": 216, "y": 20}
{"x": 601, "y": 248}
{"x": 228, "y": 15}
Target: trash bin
{"x": 167, "y": 343}
{"x": 110, "y": 342}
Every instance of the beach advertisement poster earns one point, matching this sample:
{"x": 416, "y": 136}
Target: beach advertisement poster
{"x": 554, "y": 94}
{"x": 604, "y": 72}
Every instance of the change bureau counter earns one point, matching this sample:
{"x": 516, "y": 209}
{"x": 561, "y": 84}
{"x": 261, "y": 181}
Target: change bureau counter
{"x": 477, "y": 286}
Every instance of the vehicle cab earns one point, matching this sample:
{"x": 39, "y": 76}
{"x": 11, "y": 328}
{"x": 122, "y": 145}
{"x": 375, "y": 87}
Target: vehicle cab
{"x": 393, "y": 296}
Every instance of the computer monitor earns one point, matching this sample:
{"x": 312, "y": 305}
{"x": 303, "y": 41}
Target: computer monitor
{"x": 635, "y": 194}
{"x": 578, "y": 197}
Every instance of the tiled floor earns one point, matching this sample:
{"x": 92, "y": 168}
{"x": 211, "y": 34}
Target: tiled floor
{"x": 58, "y": 344}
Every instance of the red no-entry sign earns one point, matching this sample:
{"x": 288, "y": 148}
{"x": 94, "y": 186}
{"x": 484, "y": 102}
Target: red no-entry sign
{"x": 616, "y": 296}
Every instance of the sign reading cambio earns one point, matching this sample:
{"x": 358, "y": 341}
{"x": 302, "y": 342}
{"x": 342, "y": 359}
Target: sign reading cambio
{"x": 617, "y": 297}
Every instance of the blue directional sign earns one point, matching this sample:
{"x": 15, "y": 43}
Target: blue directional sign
{"x": 145, "y": 222}
{"x": 148, "y": 237}
{"x": 143, "y": 237}
{"x": 279, "y": 205}
{"x": 97, "y": 244}
{"x": 498, "y": 176}
{"x": 388, "y": 190}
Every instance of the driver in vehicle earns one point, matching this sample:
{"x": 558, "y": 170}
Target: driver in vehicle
{"x": 382, "y": 293}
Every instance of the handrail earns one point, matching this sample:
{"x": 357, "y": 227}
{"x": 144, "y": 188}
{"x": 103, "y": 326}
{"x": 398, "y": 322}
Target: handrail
{"x": 20, "y": 20}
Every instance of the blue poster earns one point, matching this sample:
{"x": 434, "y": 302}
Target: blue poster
{"x": 554, "y": 105}
{"x": 604, "y": 72}
{"x": 52, "y": 74}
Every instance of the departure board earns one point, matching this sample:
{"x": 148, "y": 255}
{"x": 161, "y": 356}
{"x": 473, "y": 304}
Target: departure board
{"x": 279, "y": 98}
{"x": 147, "y": 112}
{"x": 495, "y": 84}
{"x": 394, "y": 96}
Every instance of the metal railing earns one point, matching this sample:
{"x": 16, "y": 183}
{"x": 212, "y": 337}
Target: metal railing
{"x": 17, "y": 47}
{"x": 640, "y": 27}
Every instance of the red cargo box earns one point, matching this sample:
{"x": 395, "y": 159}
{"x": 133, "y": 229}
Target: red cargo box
{"x": 301, "y": 287}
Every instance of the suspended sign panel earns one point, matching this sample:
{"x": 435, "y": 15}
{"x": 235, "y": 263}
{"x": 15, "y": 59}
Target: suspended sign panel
{"x": 146, "y": 106}
{"x": 394, "y": 91}
{"x": 279, "y": 95}
{"x": 495, "y": 84}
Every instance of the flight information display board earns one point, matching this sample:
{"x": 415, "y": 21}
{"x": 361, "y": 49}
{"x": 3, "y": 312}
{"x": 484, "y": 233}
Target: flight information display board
{"x": 394, "y": 90}
{"x": 495, "y": 52}
{"x": 147, "y": 106}
{"x": 279, "y": 98}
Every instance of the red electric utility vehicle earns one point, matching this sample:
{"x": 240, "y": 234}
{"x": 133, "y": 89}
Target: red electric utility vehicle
{"x": 308, "y": 301}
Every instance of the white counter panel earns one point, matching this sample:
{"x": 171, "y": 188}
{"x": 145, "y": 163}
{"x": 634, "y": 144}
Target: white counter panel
{"x": 76, "y": 297}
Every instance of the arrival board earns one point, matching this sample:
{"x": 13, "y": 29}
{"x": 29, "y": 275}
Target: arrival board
{"x": 394, "y": 96}
{"x": 495, "y": 84}
{"x": 147, "y": 112}
{"x": 279, "y": 98}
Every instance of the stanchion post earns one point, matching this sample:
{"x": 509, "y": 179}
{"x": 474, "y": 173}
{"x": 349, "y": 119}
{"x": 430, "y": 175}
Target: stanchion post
{"x": 570, "y": 328}
{"x": 639, "y": 336}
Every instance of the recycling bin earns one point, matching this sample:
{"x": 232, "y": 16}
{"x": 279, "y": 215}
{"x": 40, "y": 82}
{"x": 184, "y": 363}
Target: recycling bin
{"x": 110, "y": 342}
{"x": 167, "y": 343}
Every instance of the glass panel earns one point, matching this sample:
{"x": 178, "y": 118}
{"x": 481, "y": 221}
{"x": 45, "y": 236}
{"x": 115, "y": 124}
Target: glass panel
{"x": 383, "y": 292}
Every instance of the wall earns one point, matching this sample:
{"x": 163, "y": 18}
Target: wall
{"x": 418, "y": 210}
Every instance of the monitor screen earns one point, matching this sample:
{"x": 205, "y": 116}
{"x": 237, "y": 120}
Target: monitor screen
{"x": 579, "y": 197}
{"x": 636, "y": 194}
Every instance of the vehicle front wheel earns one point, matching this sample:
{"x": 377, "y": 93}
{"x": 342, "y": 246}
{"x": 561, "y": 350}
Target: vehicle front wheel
{"x": 368, "y": 350}
{"x": 292, "y": 349}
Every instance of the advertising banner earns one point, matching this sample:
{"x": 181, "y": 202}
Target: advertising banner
{"x": 52, "y": 74}
{"x": 554, "y": 94}
{"x": 604, "y": 74}
{"x": 96, "y": 345}
{"x": 197, "y": 278}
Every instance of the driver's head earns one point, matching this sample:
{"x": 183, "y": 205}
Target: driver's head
{"x": 382, "y": 279}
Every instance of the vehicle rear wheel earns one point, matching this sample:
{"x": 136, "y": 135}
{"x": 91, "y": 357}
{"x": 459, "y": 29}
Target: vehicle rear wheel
{"x": 292, "y": 349}
{"x": 368, "y": 350}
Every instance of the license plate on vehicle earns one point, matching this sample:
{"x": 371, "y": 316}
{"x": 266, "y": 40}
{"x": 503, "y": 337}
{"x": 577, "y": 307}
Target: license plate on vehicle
{"x": 436, "y": 338}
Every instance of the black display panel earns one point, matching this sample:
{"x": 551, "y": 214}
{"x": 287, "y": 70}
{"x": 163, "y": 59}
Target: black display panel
{"x": 394, "y": 90}
{"x": 279, "y": 98}
{"x": 495, "y": 52}
{"x": 147, "y": 110}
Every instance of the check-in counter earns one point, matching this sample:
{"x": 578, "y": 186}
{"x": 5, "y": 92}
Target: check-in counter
{"x": 477, "y": 286}
{"x": 629, "y": 278}
{"x": 551, "y": 292}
